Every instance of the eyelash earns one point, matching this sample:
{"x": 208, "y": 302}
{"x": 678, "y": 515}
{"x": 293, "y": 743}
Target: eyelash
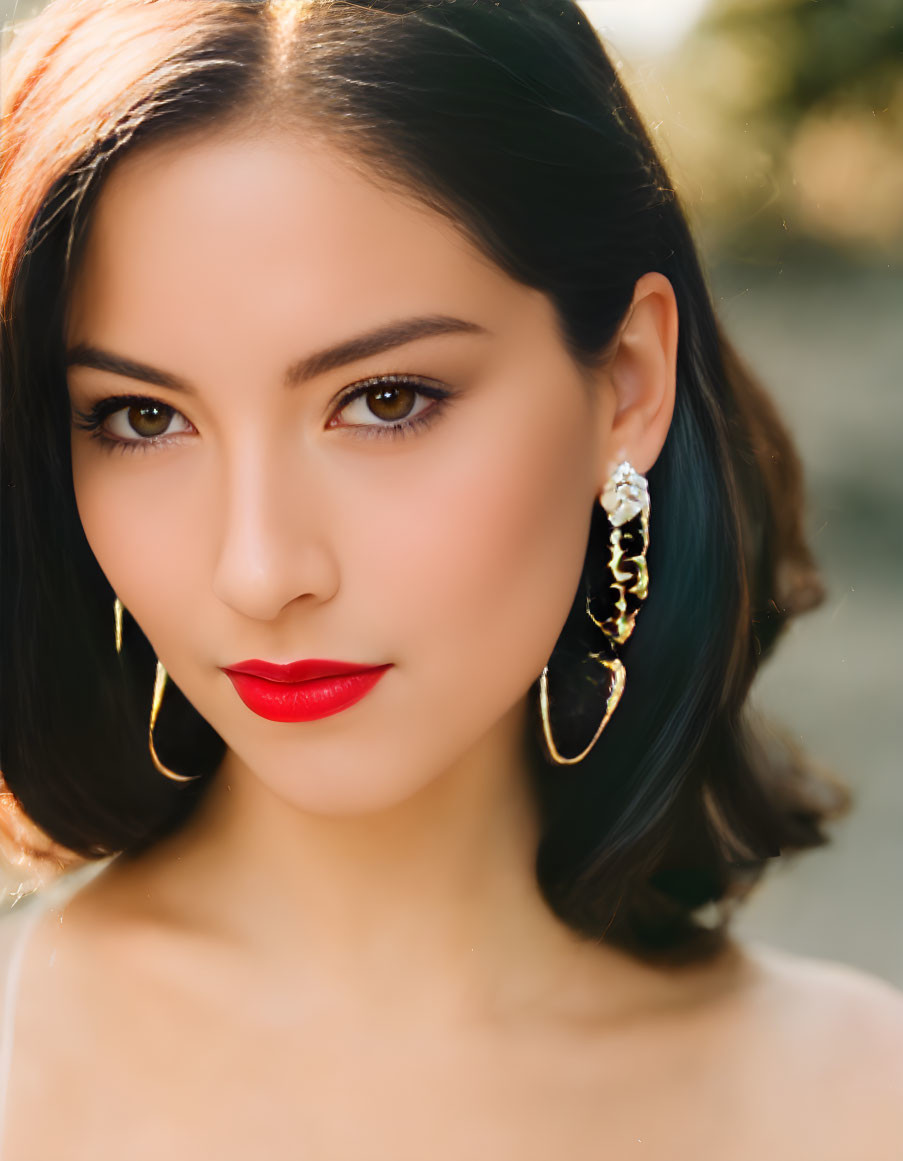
{"x": 93, "y": 419}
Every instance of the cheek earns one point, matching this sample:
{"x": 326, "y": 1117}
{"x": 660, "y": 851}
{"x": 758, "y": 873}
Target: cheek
{"x": 485, "y": 565}
{"x": 133, "y": 528}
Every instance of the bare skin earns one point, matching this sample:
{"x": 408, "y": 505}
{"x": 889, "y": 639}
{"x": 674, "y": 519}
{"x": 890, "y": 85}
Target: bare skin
{"x": 147, "y": 1040}
{"x": 344, "y": 955}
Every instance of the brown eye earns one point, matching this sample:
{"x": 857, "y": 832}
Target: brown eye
{"x": 149, "y": 419}
{"x": 129, "y": 422}
{"x": 386, "y": 405}
{"x": 391, "y": 403}
{"x": 383, "y": 407}
{"x": 142, "y": 422}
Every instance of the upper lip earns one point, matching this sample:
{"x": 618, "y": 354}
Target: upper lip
{"x": 304, "y": 670}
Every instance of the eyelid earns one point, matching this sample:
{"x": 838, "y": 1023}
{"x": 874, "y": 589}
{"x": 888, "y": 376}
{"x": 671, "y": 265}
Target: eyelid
{"x": 93, "y": 419}
{"x": 372, "y": 382}
{"x": 112, "y": 404}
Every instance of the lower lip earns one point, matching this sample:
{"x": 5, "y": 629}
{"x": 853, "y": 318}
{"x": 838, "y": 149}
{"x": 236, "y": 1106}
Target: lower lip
{"x": 303, "y": 701}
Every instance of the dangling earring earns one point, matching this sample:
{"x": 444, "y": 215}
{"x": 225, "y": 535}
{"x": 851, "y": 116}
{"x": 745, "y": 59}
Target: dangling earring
{"x": 159, "y": 685}
{"x": 117, "y": 620}
{"x": 626, "y": 501}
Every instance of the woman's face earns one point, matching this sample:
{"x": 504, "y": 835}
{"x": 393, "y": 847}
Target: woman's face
{"x": 248, "y": 510}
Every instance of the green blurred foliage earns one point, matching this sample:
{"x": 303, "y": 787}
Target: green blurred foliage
{"x": 824, "y": 50}
{"x": 784, "y": 123}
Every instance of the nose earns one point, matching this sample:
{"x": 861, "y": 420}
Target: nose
{"x": 271, "y": 546}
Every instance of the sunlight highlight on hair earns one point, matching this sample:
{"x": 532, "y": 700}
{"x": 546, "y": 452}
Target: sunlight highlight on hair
{"x": 285, "y": 17}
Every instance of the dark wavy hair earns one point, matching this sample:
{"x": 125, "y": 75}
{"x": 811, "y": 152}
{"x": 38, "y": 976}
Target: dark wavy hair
{"x": 509, "y": 119}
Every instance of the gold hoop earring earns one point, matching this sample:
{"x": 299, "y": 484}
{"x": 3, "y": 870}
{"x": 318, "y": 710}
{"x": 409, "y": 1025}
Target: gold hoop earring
{"x": 159, "y": 685}
{"x": 160, "y": 678}
{"x": 626, "y": 502}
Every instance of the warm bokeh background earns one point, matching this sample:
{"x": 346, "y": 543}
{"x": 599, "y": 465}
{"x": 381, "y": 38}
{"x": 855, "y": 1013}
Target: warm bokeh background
{"x": 782, "y": 124}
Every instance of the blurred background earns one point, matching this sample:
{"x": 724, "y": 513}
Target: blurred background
{"x": 781, "y": 122}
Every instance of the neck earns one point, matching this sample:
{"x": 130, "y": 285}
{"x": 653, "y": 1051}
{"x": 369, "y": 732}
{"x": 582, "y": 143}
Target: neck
{"x": 433, "y": 899}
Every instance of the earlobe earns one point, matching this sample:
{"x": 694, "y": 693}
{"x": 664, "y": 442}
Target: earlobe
{"x": 643, "y": 374}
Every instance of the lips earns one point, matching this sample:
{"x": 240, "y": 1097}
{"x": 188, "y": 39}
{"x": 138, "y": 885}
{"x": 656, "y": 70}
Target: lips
{"x": 277, "y": 693}
{"x": 294, "y": 671}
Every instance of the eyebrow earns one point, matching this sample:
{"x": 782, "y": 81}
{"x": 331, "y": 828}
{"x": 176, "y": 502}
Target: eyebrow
{"x": 374, "y": 342}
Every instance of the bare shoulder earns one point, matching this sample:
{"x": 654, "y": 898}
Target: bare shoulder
{"x": 14, "y": 923}
{"x": 837, "y": 1032}
{"x": 13, "y": 920}
{"x": 854, "y": 1007}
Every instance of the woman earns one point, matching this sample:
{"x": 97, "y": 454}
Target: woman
{"x": 371, "y": 341}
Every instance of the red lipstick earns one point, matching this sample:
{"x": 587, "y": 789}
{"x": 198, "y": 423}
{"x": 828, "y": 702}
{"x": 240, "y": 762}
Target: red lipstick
{"x": 302, "y": 691}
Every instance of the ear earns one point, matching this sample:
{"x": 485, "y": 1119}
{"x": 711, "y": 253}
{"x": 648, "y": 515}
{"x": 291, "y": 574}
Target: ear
{"x": 640, "y": 376}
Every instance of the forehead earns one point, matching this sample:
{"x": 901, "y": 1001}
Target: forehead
{"x": 263, "y": 232}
